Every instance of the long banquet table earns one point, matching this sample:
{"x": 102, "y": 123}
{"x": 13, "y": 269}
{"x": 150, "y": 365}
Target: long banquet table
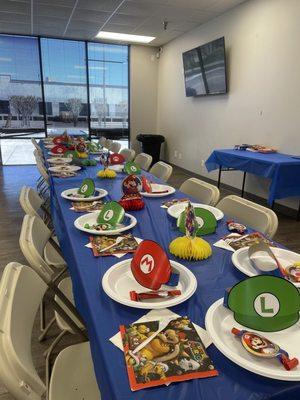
{"x": 103, "y": 316}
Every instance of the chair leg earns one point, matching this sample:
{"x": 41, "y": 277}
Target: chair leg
{"x": 46, "y": 330}
{"x": 42, "y": 315}
{"x": 48, "y": 360}
{"x": 59, "y": 275}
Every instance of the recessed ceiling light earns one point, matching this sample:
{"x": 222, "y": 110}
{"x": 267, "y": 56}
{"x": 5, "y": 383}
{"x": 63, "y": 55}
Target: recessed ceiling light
{"x": 124, "y": 37}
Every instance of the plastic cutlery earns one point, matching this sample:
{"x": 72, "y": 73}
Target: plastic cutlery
{"x": 118, "y": 240}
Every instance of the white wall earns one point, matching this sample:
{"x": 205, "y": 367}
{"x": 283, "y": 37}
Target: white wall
{"x": 143, "y": 92}
{"x": 263, "y": 104}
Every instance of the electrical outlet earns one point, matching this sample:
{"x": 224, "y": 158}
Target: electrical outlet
{"x": 180, "y": 156}
{"x": 175, "y": 153}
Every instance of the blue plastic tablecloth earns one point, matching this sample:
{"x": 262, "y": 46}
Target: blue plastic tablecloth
{"x": 103, "y": 315}
{"x": 282, "y": 169}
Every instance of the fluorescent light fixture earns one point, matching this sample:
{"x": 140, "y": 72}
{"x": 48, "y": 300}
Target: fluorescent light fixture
{"x": 124, "y": 37}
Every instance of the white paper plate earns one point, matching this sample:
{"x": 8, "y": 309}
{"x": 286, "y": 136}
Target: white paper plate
{"x": 157, "y": 188}
{"x": 219, "y": 321}
{"x": 65, "y": 168}
{"x": 117, "y": 167}
{"x": 55, "y": 154}
{"x": 242, "y": 262}
{"x": 176, "y": 209}
{"x": 118, "y": 281}
{"x": 91, "y": 218}
{"x": 67, "y": 194}
{"x": 59, "y": 160}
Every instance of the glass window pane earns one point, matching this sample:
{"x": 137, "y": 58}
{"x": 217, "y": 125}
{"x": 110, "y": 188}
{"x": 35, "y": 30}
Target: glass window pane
{"x": 108, "y": 78}
{"x": 65, "y": 85}
{"x": 20, "y": 85}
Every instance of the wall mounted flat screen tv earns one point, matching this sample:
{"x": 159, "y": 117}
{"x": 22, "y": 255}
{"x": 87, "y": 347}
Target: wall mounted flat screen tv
{"x": 205, "y": 69}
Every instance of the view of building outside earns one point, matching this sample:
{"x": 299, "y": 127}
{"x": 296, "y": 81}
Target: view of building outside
{"x": 65, "y": 85}
{"x": 108, "y": 83}
{"x": 20, "y": 84}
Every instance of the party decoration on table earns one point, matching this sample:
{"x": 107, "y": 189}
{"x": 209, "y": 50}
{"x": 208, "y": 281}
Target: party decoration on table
{"x": 151, "y": 267}
{"x": 293, "y": 272}
{"x": 132, "y": 168}
{"x": 71, "y": 154}
{"x": 266, "y": 303}
{"x": 157, "y": 294}
{"x": 64, "y": 174}
{"x": 59, "y": 160}
{"x": 132, "y": 199}
{"x": 59, "y": 149}
{"x": 104, "y": 159}
{"x": 261, "y": 256}
{"x": 111, "y": 215}
{"x": 236, "y": 227}
{"x": 106, "y": 174}
{"x": 235, "y": 241}
{"x": 258, "y": 148}
{"x": 87, "y": 188}
{"x": 146, "y": 185}
{"x": 160, "y": 352}
{"x": 93, "y": 147}
{"x": 260, "y": 346}
{"x": 84, "y": 162}
{"x": 58, "y": 140}
{"x": 190, "y": 247}
{"x": 200, "y": 220}
{"x": 62, "y": 139}
{"x": 110, "y": 245}
{"x": 116, "y": 158}
{"x": 131, "y": 185}
{"x": 87, "y": 206}
{"x": 169, "y": 203}
{"x": 81, "y": 149}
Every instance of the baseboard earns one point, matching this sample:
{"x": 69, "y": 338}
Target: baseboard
{"x": 278, "y": 208}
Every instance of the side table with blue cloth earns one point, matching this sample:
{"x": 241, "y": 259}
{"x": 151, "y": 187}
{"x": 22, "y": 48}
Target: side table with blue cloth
{"x": 282, "y": 169}
{"x": 103, "y": 316}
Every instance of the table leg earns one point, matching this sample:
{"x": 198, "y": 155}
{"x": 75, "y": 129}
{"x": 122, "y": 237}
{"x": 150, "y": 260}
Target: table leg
{"x": 243, "y": 186}
{"x": 219, "y": 177}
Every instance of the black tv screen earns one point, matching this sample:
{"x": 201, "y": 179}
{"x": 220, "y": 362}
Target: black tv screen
{"x": 205, "y": 69}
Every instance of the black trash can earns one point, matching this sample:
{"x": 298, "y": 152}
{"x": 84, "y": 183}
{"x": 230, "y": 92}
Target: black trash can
{"x": 151, "y": 144}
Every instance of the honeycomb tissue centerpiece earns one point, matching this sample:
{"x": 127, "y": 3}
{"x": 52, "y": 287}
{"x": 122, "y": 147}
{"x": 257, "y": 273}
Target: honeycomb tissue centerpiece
{"x": 107, "y": 173}
{"x": 189, "y": 248}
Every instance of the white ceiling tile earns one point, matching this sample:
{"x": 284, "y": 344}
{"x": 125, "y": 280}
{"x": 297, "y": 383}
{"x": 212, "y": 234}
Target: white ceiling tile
{"x": 90, "y": 15}
{"x": 19, "y": 29}
{"x": 128, "y": 20}
{"x": 138, "y": 9}
{"x": 77, "y": 24}
{"x": 222, "y": 6}
{"x": 51, "y": 11}
{"x": 14, "y": 7}
{"x": 98, "y": 5}
{"x": 14, "y": 18}
{"x": 143, "y": 17}
{"x": 51, "y": 23}
{"x": 65, "y": 3}
{"x": 110, "y": 27}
